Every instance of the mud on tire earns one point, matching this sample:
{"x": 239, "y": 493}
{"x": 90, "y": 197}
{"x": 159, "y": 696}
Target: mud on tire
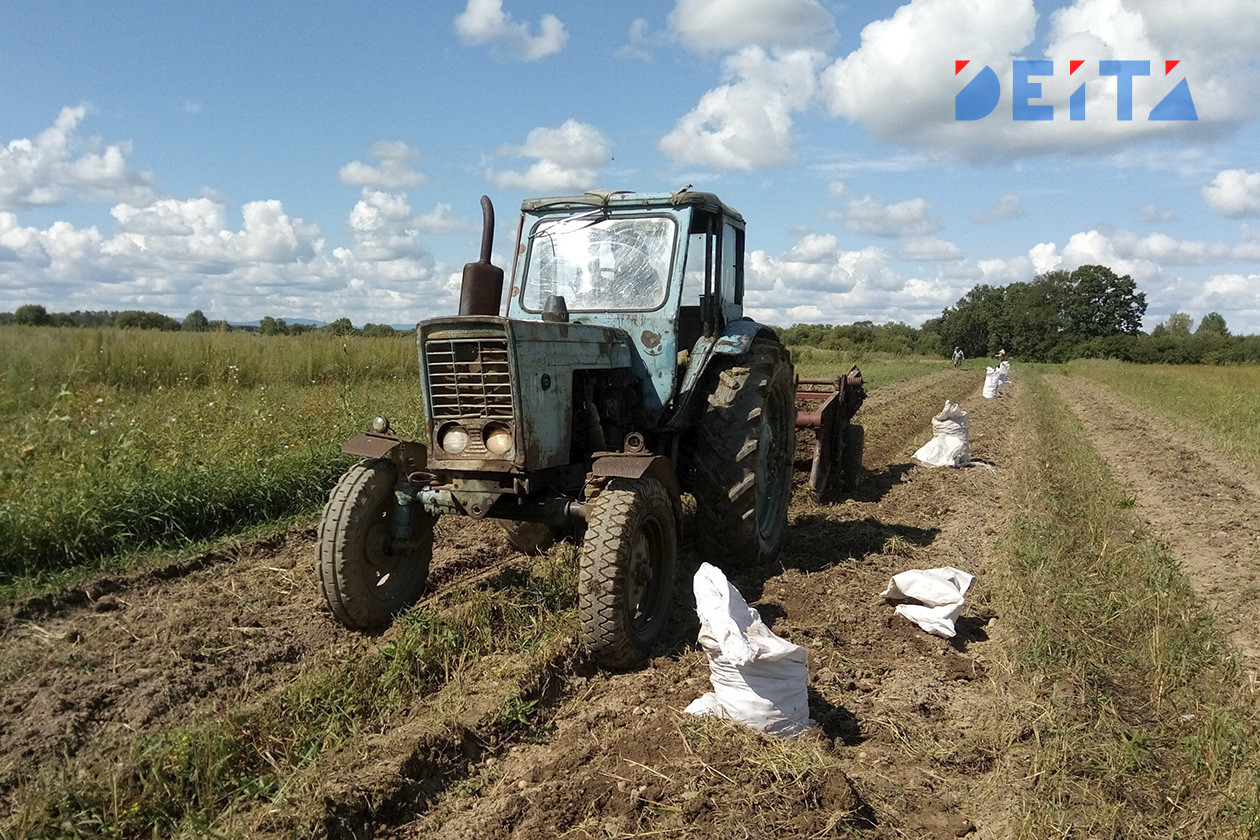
{"x": 744, "y": 445}
{"x": 626, "y": 576}
{"x": 364, "y": 578}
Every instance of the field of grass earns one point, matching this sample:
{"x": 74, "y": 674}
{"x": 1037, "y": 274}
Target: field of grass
{"x": 1220, "y": 403}
{"x": 1144, "y": 725}
{"x": 877, "y": 368}
{"x": 116, "y": 440}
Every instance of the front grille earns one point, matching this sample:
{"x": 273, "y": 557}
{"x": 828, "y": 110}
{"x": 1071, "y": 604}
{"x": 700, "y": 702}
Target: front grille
{"x": 469, "y": 378}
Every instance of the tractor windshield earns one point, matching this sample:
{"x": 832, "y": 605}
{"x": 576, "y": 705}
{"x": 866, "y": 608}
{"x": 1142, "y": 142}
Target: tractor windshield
{"x": 600, "y": 263}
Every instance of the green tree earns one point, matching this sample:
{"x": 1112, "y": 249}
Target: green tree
{"x": 341, "y": 326}
{"x": 379, "y": 331}
{"x": 195, "y": 321}
{"x": 1178, "y": 325}
{"x": 272, "y": 326}
{"x": 32, "y": 314}
{"x": 1213, "y": 323}
{"x": 1096, "y": 303}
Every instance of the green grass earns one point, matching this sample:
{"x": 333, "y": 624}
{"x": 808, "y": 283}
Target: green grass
{"x": 877, "y": 368}
{"x": 1145, "y": 728}
{"x": 116, "y": 440}
{"x": 1219, "y": 403}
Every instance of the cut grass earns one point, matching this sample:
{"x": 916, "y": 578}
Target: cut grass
{"x": 1221, "y": 404}
{"x": 1146, "y": 728}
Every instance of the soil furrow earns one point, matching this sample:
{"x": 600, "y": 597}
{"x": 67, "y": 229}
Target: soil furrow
{"x": 1205, "y": 508}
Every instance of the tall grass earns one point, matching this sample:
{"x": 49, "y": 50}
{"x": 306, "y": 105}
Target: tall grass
{"x": 1219, "y": 403}
{"x": 877, "y": 368}
{"x": 1145, "y": 729}
{"x": 115, "y": 440}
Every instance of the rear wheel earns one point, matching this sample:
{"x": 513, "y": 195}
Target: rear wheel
{"x": 626, "y": 577}
{"x": 745, "y": 443}
{"x": 367, "y": 574}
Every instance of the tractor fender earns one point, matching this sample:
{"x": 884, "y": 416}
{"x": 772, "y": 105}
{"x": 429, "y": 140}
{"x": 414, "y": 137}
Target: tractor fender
{"x": 657, "y": 467}
{"x": 736, "y": 340}
{"x": 410, "y": 455}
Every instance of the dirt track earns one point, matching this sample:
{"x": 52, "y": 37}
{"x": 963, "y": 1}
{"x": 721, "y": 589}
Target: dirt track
{"x": 904, "y": 717}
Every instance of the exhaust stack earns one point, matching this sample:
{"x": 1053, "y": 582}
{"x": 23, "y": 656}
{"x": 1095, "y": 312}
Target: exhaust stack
{"x": 481, "y": 291}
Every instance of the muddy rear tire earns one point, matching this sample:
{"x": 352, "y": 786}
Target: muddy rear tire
{"x": 745, "y": 445}
{"x": 626, "y": 576}
{"x": 366, "y": 578}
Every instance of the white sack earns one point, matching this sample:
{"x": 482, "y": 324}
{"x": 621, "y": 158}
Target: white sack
{"x": 950, "y": 445}
{"x": 1004, "y": 373}
{"x": 939, "y": 593}
{"x": 990, "y": 383}
{"x": 758, "y": 678}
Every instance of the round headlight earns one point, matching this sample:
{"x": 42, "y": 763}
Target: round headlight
{"x": 380, "y": 424}
{"x": 498, "y": 438}
{"x": 453, "y": 438}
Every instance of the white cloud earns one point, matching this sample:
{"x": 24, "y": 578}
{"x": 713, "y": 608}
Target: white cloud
{"x": 913, "y": 217}
{"x": 929, "y": 249}
{"x": 484, "y": 21}
{"x": 1009, "y": 206}
{"x": 393, "y": 171}
{"x": 747, "y": 123}
{"x": 707, "y": 26}
{"x": 1155, "y": 213}
{"x": 569, "y": 157}
{"x": 900, "y": 84}
{"x": 58, "y": 165}
{"x": 1234, "y": 193}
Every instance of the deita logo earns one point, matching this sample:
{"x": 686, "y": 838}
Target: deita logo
{"x": 980, "y": 96}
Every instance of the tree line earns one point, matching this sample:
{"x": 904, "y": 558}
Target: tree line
{"x": 1089, "y": 312}
{"x": 36, "y": 315}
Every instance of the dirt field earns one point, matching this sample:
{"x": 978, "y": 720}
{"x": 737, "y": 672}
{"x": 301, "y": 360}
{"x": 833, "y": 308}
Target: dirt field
{"x": 84, "y": 673}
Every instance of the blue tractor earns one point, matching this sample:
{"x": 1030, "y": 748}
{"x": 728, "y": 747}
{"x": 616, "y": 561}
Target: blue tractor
{"x": 622, "y": 375}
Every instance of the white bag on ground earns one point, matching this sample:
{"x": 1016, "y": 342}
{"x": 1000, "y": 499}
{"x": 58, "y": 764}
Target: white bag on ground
{"x": 939, "y": 593}
{"x": 990, "y": 383}
{"x": 950, "y": 445}
{"x": 758, "y": 678}
{"x": 1004, "y": 373}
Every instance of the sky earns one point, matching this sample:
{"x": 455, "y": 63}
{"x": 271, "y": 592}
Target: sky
{"x": 327, "y": 159}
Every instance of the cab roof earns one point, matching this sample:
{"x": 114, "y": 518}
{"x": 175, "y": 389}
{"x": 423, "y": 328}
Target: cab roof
{"x": 625, "y": 199}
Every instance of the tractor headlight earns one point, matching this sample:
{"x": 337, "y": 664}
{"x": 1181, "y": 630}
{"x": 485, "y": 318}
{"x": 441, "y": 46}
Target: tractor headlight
{"x": 453, "y": 438}
{"x": 380, "y": 424}
{"x": 497, "y": 438}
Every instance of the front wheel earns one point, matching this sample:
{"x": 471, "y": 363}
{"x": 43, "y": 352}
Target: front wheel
{"x": 368, "y": 574}
{"x": 627, "y": 569}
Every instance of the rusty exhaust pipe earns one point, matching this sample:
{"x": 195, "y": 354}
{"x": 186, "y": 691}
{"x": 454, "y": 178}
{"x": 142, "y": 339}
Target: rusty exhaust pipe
{"x": 481, "y": 291}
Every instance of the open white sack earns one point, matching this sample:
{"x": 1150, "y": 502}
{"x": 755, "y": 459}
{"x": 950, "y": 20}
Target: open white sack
{"x": 939, "y": 593}
{"x": 950, "y": 445}
{"x": 758, "y": 678}
{"x": 990, "y": 383}
{"x": 1004, "y": 373}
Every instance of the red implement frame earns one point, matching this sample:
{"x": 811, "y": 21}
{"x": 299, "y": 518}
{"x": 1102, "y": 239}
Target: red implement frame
{"x": 837, "y": 400}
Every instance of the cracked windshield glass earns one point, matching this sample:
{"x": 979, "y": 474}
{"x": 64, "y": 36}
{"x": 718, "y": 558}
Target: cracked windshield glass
{"x": 600, "y": 263}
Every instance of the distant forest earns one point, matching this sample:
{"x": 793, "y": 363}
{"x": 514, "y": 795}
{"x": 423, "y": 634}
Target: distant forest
{"x": 1060, "y": 315}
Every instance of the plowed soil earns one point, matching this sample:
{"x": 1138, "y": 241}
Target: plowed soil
{"x": 86, "y": 672}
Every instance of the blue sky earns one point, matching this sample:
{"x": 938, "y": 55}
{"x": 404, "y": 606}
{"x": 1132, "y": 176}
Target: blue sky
{"x": 327, "y": 159}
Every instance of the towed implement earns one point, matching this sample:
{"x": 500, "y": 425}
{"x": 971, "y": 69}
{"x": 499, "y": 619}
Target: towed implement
{"x": 837, "y": 462}
{"x": 622, "y": 374}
